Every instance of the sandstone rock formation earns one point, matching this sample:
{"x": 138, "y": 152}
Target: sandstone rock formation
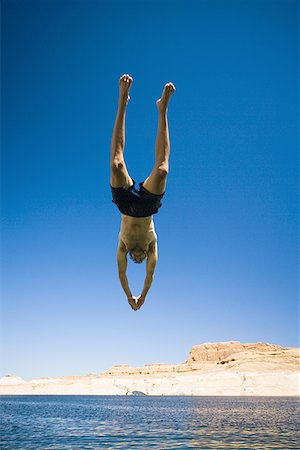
{"x": 220, "y": 350}
{"x": 223, "y": 368}
{"x": 11, "y": 380}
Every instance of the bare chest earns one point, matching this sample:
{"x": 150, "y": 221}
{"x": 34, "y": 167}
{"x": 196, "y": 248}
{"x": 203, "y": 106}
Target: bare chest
{"x": 137, "y": 233}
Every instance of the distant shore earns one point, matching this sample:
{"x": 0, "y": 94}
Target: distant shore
{"x": 224, "y": 368}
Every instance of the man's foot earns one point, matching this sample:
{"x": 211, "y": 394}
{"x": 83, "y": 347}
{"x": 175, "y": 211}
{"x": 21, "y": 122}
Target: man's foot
{"x": 125, "y": 83}
{"x": 162, "y": 102}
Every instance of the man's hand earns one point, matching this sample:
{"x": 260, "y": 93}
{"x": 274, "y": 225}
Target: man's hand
{"x": 136, "y": 302}
{"x": 132, "y": 300}
{"x": 140, "y": 300}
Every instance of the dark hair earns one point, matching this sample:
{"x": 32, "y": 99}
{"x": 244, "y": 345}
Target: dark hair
{"x": 137, "y": 262}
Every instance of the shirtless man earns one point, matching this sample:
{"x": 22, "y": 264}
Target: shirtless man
{"x": 137, "y": 234}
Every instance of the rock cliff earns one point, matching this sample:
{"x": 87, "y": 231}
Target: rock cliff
{"x": 222, "y": 368}
{"x": 218, "y": 351}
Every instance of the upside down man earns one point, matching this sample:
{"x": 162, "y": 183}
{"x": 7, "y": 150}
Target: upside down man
{"x": 137, "y": 205}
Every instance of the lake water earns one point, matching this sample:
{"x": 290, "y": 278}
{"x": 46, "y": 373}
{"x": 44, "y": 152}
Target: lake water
{"x": 142, "y": 422}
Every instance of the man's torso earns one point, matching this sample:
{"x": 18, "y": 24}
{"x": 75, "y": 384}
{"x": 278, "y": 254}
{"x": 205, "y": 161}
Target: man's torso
{"x": 137, "y": 232}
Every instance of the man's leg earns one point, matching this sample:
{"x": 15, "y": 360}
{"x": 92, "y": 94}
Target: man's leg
{"x": 156, "y": 182}
{"x": 119, "y": 176}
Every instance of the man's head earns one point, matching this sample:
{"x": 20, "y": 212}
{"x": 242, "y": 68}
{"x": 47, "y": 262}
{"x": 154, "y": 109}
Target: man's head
{"x": 137, "y": 255}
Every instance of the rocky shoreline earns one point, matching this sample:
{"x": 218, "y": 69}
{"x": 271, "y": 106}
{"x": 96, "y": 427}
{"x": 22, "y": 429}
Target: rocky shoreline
{"x": 224, "y": 368}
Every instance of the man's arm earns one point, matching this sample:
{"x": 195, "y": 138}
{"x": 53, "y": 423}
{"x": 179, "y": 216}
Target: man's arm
{"x": 122, "y": 267}
{"x": 150, "y": 267}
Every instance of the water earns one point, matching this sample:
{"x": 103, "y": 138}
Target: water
{"x": 142, "y": 422}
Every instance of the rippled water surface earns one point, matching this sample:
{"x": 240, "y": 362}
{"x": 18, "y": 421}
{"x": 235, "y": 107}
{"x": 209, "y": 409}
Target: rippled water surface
{"x": 117, "y": 422}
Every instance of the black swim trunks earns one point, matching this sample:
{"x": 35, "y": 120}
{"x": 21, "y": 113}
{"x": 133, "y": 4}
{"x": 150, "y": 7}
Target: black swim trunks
{"x": 136, "y": 202}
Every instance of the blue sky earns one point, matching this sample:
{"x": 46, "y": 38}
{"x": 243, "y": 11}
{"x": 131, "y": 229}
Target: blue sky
{"x": 227, "y": 231}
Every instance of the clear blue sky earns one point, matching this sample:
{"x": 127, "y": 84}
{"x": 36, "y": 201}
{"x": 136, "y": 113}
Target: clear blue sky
{"x": 227, "y": 230}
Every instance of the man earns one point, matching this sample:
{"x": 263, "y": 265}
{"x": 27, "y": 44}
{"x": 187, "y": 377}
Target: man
{"x": 137, "y": 234}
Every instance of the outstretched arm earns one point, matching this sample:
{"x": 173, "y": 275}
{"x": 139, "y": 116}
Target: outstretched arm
{"x": 122, "y": 266}
{"x": 150, "y": 267}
